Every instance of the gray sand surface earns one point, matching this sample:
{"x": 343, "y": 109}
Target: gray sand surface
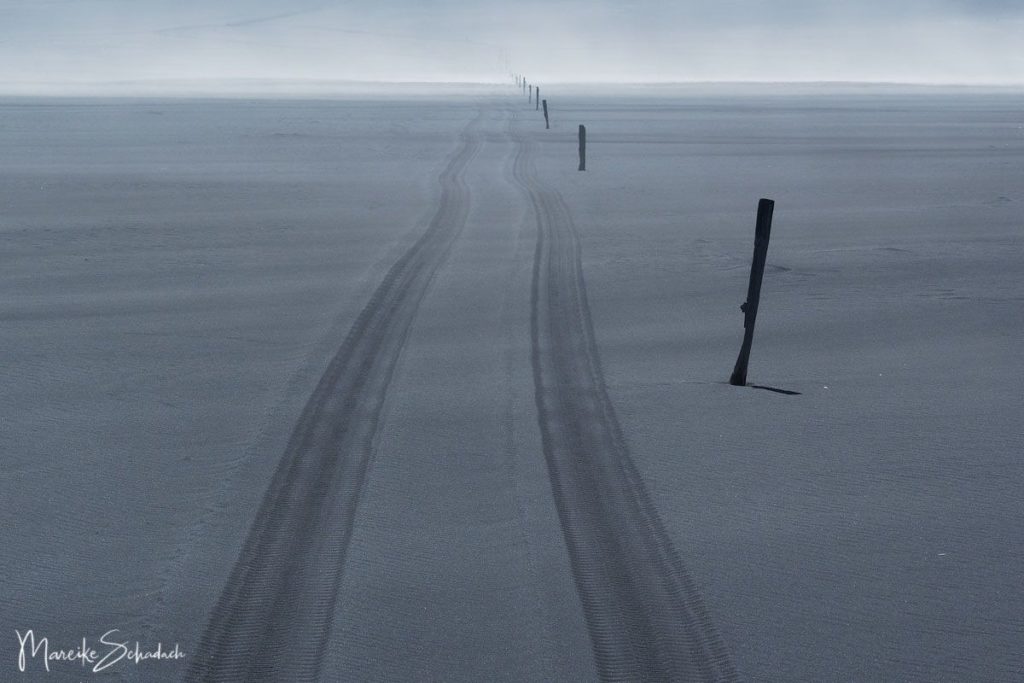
{"x": 382, "y": 388}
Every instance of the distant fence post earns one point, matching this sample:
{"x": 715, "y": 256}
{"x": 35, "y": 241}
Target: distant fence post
{"x": 547, "y": 123}
{"x": 583, "y": 147}
{"x": 530, "y": 97}
{"x": 537, "y": 108}
{"x": 762, "y": 233}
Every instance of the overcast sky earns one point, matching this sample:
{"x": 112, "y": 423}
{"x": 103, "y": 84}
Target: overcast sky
{"x": 929, "y": 41}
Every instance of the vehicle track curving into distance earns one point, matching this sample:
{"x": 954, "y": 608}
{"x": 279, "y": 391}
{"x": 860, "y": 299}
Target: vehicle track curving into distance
{"x": 646, "y": 619}
{"x": 274, "y": 616}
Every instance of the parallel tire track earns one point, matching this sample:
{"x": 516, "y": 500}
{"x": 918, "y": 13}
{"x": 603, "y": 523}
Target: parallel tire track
{"x": 646, "y": 618}
{"x": 274, "y": 615}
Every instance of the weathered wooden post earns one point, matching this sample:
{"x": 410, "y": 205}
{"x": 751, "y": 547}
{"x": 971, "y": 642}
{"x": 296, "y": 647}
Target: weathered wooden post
{"x": 762, "y": 233}
{"x": 547, "y": 123}
{"x": 530, "y": 98}
{"x": 583, "y": 147}
{"x": 537, "y": 108}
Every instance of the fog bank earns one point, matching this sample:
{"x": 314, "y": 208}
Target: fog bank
{"x": 87, "y": 43}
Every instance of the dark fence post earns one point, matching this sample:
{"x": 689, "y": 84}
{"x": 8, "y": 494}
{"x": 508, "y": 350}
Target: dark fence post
{"x": 538, "y": 99}
{"x": 530, "y": 97}
{"x": 583, "y": 147}
{"x": 547, "y": 123}
{"x": 762, "y": 234}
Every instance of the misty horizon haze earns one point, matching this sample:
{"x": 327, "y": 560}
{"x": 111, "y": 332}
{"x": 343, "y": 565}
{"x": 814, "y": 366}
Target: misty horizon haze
{"x": 52, "y": 44}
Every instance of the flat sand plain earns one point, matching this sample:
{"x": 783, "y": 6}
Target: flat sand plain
{"x": 382, "y": 388}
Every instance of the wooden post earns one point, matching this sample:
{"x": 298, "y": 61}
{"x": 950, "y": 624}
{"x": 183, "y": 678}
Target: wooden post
{"x": 547, "y": 123}
{"x": 762, "y": 234}
{"x": 530, "y": 97}
{"x": 583, "y": 147}
{"x": 537, "y": 108}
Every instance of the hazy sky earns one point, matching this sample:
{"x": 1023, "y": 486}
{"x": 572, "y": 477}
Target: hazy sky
{"x": 931, "y": 41}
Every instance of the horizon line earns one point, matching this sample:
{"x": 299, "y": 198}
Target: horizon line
{"x": 253, "y": 86}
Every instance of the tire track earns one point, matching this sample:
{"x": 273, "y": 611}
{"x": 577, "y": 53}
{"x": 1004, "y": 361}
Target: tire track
{"x": 645, "y": 615}
{"x": 273, "y": 618}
